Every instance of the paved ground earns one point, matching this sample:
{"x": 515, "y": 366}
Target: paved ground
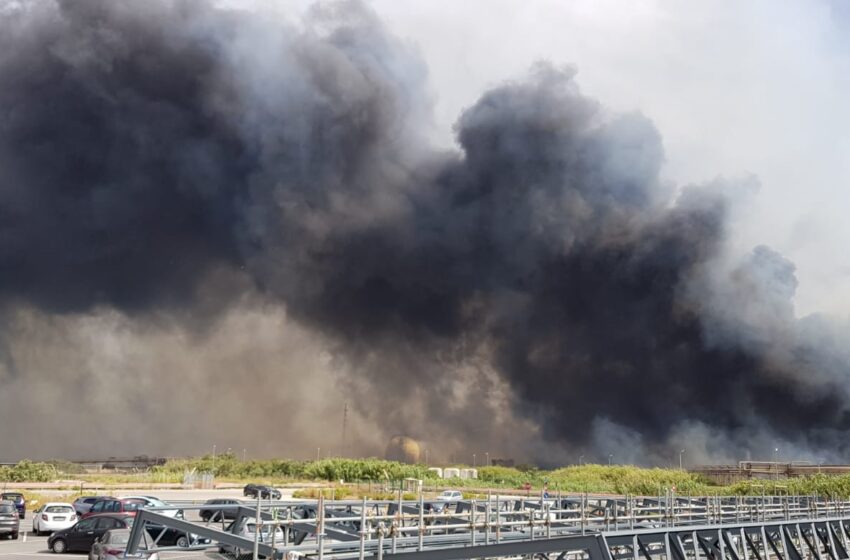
{"x": 36, "y": 547}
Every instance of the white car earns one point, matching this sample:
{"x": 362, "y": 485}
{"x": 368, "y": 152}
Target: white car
{"x": 450, "y": 496}
{"x": 150, "y": 501}
{"x": 54, "y": 516}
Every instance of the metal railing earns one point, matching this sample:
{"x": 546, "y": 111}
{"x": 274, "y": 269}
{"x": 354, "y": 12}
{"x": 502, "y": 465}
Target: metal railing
{"x": 359, "y": 528}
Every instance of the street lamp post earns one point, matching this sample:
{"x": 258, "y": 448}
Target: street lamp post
{"x": 610, "y": 459}
{"x": 487, "y": 457}
{"x": 318, "y": 453}
{"x": 682, "y": 452}
{"x": 776, "y": 463}
{"x": 473, "y": 460}
{"x": 580, "y": 460}
{"x": 244, "y": 455}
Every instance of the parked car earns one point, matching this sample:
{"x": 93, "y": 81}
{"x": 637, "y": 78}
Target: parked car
{"x": 113, "y": 544}
{"x": 115, "y": 505}
{"x": 18, "y": 499}
{"x": 151, "y": 501}
{"x": 450, "y": 496}
{"x": 10, "y": 521}
{"x": 219, "y": 514}
{"x": 82, "y": 535}
{"x": 248, "y": 529}
{"x": 264, "y": 492}
{"x": 83, "y": 504}
{"x": 53, "y": 517}
{"x": 175, "y": 537}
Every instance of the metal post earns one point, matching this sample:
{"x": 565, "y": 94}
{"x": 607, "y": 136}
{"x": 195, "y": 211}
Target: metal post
{"x": 472, "y": 521}
{"x": 363, "y": 530}
{"x": 257, "y": 521}
{"x": 583, "y": 503}
{"x": 487, "y": 520}
{"x": 320, "y": 526}
{"x": 498, "y": 519}
{"x": 421, "y": 521}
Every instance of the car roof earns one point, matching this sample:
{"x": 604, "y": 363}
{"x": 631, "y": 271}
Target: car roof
{"x": 58, "y": 504}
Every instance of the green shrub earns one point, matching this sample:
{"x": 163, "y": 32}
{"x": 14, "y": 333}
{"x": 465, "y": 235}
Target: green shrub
{"x": 349, "y": 470}
{"x": 27, "y": 471}
{"x": 828, "y": 486}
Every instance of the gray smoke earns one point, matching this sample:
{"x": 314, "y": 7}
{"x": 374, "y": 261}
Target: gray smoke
{"x": 209, "y": 206}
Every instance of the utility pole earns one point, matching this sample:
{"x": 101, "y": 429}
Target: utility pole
{"x": 318, "y": 453}
{"x": 680, "y": 459}
{"x": 610, "y": 459}
{"x": 344, "y": 427}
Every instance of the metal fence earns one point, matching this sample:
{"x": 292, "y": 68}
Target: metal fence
{"x": 580, "y": 526}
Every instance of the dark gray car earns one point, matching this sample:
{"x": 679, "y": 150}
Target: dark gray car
{"x": 10, "y": 521}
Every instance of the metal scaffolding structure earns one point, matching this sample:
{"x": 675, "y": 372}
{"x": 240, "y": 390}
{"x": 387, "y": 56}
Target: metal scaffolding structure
{"x": 574, "y": 527}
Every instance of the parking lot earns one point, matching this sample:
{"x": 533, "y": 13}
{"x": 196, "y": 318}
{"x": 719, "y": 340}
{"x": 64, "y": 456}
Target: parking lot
{"x": 36, "y": 547}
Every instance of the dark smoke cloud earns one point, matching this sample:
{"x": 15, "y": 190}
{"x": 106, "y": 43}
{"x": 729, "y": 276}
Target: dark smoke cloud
{"x": 540, "y": 291}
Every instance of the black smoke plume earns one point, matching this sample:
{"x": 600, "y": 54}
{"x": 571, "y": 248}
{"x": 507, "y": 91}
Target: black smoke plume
{"x": 173, "y": 160}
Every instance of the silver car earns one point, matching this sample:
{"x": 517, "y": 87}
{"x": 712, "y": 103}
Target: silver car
{"x": 10, "y": 523}
{"x": 113, "y": 543}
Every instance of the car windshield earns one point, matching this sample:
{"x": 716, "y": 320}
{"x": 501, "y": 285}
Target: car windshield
{"x": 12, "y": 496}
{"x": 119, "y": 538}
{"x": 5, "y": 508}
{"x": 59, "y": 509}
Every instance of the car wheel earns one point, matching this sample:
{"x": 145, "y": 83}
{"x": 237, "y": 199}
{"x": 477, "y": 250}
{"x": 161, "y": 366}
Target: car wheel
{"x": 14, "y": 536}
{"x": 59, "y": 546}
{"x": 205, "y": 518}
{"x": 183, "y": 542}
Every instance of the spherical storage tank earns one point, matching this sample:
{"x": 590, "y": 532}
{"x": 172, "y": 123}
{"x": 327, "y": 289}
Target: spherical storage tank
{"x": 403, "y": 449}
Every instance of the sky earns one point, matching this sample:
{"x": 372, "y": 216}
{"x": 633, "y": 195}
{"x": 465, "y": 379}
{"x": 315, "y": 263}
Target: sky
{"x": 276, "y": 313}
{"x": 753, "y": 89}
